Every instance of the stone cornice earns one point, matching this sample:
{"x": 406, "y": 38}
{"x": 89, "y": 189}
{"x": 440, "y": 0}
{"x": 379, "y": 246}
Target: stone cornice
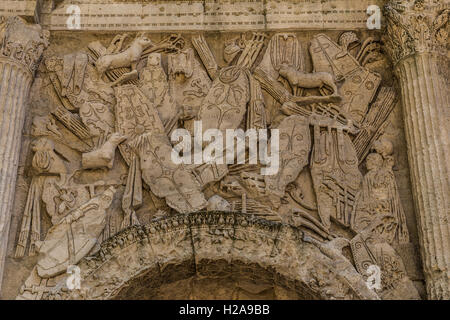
{"x": 416, "y": 26}
{"x": 22, "y": 42}
{"x": 201, "y": 15}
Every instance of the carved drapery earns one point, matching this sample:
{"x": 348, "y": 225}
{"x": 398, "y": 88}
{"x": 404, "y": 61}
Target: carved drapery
{"x": 21, "y": 46}
{"x": 416, "y": 39}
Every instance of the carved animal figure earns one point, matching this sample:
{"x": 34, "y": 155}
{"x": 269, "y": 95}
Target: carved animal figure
{"x": 104, "y": 156}
{"x": 307, "y": 80}
{"x": 127, "y": 58}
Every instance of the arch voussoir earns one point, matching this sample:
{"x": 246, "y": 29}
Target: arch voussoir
{"x": 216, "y": 244}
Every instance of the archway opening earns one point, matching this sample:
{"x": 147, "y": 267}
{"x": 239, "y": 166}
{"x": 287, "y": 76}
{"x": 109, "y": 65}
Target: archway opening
{"x": 213, "y": 280}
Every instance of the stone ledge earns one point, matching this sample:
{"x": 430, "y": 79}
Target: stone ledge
{"x": 223, "y": 15}
{"x": 22, "y": 8}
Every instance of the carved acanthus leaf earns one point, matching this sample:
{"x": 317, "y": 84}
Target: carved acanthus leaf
{"x": 22, "y": 42}
{"x": 415, "y": 27}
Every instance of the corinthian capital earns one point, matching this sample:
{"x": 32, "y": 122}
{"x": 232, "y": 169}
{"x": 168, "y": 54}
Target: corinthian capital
{"x": 416, "y": 26}
{"x": 22, "y": 42}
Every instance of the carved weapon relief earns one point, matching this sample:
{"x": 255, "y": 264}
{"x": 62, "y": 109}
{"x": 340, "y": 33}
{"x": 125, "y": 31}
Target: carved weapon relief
{"x": 123, "y": 95}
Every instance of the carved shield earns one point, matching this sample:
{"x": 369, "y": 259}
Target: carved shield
{"x": 369, "y": 249}
{"x": 335, "y": 174}
{"x": 295, "y": 145}
{"x": 359, "y": 86}
{"x": 135, "y": 115}
{"x": 139, "y": 120}
{"x": 285, "y": 48}
{"x": 362, "y": 255}
{"x": 168, "y": 180}
{"x": 225, "y": 105}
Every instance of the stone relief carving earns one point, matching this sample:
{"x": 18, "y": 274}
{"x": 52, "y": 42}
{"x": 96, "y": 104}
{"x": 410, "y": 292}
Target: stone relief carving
{"x": 419, "y": 51}
{"x": 379, "y": 196}
{"x": 120, "y": 96}
{"x": 74, "y": 236}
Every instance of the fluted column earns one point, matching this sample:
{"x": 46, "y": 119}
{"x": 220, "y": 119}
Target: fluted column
{"x": 21, "y": 46}
{"x": 416, "y": 41}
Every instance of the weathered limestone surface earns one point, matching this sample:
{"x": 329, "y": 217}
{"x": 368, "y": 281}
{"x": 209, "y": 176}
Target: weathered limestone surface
{"x": 199, "y": 15}
{"x": 218, "y": 245}
{"x": 20, "y": 52}
{"x": 98, "y": 189}
{"x": 417, "y": 40}
{"x": 23, "y": 8}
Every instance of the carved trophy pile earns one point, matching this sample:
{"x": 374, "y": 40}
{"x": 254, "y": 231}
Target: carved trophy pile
{"x": 101, "y": 155}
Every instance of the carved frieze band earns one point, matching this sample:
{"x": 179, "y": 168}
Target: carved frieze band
{"x": 200, "y": 15}
{"x": 20, "y": 51}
